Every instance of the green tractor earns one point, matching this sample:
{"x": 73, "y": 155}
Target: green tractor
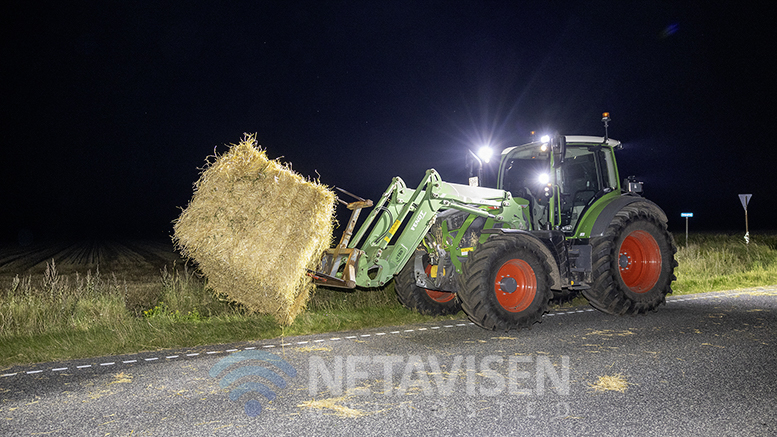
{"x": 558, "y": 223}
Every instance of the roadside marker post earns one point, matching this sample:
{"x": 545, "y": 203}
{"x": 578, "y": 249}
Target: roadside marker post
{"x": 687, "y": 215}
{"x": 745, "y": 199}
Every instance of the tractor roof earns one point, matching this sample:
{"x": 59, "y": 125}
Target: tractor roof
{"x": 571, "y": 139}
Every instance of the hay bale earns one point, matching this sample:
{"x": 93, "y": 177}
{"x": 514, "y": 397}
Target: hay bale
{"x": 254, "y": 226}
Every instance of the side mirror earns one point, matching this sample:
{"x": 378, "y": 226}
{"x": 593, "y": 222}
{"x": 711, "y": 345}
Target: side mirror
{"x": 558, "y": 144}
{"x": 631, "y": 185}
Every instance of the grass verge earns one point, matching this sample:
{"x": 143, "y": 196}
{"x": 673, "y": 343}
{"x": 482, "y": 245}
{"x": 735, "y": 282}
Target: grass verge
{"x": 58, "y": 317}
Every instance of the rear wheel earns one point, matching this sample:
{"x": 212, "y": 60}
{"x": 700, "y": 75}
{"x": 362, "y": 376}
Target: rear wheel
{"x": 505, "y": 283}
{"x": 425, "y": 301}
{"x": 633, "y": 263}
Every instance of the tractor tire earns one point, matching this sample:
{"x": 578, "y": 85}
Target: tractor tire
{"x": 633, "y": 264}
{"x": 422, "y": 300}
{"x": 505, "y": 284}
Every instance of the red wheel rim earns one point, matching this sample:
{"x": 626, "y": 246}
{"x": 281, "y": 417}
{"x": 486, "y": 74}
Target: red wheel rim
{"x": 639, "y": 261}
{"x": 437, "y": 296}
{"x": 515, "y": 285}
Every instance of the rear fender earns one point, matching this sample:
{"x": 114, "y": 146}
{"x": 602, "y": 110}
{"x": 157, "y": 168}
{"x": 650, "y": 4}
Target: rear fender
{"x": 608, "y": 213}
{"x": 597, "y": 218}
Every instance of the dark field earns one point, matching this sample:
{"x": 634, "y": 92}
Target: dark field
{"x": 132, "y": 260}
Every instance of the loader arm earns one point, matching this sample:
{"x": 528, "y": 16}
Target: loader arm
{"x": 397, "y": 225}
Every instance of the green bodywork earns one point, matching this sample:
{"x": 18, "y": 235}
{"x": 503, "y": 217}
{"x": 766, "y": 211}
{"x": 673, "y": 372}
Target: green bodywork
{"x": 403, "y": 216}
{"x": 576, "y": 190}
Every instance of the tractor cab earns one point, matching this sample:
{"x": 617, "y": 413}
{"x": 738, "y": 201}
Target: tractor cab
{"x": 560, "y": 177}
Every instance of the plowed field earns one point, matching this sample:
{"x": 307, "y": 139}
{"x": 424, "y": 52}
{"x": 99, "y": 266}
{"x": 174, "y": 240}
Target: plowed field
{"x": 128, "y": 259}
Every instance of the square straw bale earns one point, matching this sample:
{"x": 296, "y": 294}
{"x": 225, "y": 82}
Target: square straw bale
{"x": 254, "y": 226}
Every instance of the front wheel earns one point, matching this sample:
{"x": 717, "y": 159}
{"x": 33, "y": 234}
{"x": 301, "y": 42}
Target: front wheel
{"x": 425, "y": 301}
{"x": 505, "y": 283}
{"x": 633, "y": 264}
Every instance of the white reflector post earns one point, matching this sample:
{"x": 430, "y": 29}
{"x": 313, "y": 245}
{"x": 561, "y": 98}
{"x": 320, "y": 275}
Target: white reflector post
{"x": 687, "y": 215}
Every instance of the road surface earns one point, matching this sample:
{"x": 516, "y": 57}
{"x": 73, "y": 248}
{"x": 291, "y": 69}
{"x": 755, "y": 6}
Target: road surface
{"x": 702, "y": 365}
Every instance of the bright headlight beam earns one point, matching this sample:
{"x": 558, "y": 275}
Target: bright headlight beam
{"x": 485, "y": 153}
{"x": 545, "y": 138}
{"x": 543, "y": 178}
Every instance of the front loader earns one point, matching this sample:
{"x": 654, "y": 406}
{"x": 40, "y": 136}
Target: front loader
{"x": 559, "y": 222}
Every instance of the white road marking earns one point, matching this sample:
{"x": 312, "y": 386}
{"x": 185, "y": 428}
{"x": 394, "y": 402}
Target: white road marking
{"x": 551, "y": 314}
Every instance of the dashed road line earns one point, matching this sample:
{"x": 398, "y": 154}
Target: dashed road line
{"x": 561, "y": 312}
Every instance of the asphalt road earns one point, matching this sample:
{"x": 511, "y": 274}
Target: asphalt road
{"x": 702, "y": 365}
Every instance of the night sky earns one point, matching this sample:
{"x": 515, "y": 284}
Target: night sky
{"x": 109, "y": 108}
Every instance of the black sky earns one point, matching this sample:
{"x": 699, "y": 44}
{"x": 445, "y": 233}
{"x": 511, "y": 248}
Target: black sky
{"x": 109, "y": 109}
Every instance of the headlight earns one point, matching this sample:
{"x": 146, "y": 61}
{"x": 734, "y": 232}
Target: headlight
{"x": 485, "y": 153}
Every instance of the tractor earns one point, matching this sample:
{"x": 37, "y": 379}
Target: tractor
{"x": 559, "y": 222}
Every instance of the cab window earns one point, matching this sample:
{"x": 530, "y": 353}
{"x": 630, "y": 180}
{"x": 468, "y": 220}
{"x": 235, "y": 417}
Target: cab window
{"x": 588, "y": 173}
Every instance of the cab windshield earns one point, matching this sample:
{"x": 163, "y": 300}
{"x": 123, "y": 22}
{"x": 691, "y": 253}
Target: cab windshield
{"x": 526, "y": 172}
